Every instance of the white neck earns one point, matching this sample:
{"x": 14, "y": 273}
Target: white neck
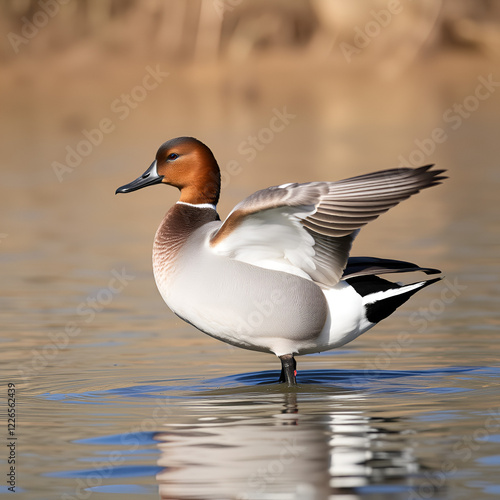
{"x": 197, "y": 205}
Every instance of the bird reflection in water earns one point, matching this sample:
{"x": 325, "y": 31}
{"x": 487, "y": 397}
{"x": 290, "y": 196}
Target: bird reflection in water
{"x": 267, "y": 442}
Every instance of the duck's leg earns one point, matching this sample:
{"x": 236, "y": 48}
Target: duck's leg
{"x": 288, "y": 369}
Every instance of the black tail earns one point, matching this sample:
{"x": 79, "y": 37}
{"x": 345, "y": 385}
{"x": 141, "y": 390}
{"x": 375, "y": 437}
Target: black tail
{"x": 386, "y": 296}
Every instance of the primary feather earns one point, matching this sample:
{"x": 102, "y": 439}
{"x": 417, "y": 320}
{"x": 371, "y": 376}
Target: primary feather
{"x": 308, "y": 229}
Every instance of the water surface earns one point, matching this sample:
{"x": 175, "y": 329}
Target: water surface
{"x": 117, "y": 398}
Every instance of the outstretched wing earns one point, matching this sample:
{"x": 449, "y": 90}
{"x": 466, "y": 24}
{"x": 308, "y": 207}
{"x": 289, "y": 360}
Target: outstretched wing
{"x": 308, "y": 229}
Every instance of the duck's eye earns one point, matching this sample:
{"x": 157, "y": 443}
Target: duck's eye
{"x": 172, "y": 156}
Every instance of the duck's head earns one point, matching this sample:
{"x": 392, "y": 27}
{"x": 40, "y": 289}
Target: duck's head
{"x": 187, "y": 164}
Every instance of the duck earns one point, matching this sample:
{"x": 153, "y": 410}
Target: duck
{"x": 276, "y": 275}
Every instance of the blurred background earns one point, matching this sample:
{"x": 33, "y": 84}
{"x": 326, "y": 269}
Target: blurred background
{"x": 89, "y": 89}
{"x": 281, "y": 91}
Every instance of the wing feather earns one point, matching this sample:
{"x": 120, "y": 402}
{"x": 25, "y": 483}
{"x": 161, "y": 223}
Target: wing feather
{"x": 308, "y": 229}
